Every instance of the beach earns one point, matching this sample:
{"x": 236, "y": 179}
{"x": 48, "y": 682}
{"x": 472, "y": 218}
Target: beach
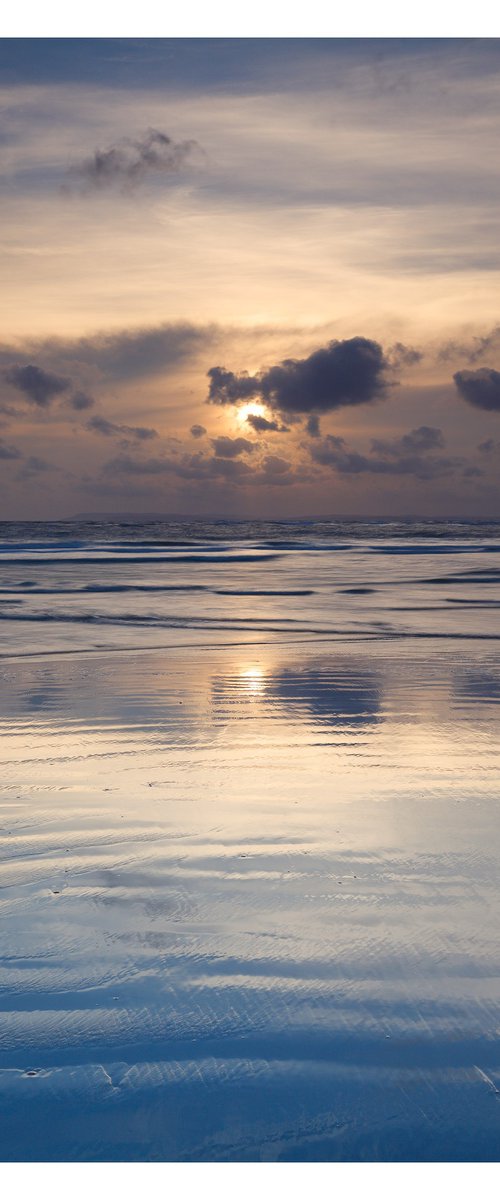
{"x": 250, "y": 842}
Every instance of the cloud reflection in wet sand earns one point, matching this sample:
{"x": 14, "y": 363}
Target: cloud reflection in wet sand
{"x": 237, "y": 929}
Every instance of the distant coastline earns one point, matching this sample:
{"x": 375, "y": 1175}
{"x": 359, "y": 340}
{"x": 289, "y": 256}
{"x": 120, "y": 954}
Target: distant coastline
{"x": 138, "y": 518}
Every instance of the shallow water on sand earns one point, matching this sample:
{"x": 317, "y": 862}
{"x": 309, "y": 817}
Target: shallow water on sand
{"x": 250, "y": 847}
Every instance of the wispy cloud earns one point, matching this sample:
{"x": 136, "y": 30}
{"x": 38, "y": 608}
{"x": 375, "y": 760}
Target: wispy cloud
{"x": 471, "y": 350}
{"x": 400, "y": 355}
{"x": 129, "y": 163}
{"x": 105, "y": 428}
{"x": 9, "y": 453}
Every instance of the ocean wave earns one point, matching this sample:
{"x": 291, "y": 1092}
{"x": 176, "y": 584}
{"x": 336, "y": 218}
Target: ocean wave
{"x": 244, "y": 557}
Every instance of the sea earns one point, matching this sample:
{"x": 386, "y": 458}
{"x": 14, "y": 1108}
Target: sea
{"x": 250, "y": 841}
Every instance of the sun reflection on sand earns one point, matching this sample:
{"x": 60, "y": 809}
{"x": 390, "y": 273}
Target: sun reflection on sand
{"x": 253, "y": 679}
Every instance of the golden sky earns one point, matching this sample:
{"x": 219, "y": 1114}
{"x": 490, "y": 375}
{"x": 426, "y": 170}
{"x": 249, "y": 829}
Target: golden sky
{"x": 319, "y": 219}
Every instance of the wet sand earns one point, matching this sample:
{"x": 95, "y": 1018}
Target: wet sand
{"x": 249, "y": 891}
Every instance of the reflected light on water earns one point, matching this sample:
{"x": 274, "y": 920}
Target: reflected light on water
{"x": 253, "y": 679}
{"x": 246, "y": 889}
{"x": 250, "y": 871}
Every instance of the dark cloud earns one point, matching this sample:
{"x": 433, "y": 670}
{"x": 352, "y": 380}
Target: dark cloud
{"x": 343, "y": 373}
{"x": 262, "y": 425}
{"x": 227, "y": 388}
{"x": 226, "y": 447}
{"x": 197, "y": 468}
{"x": 426, "y": 437}
{"x": 400, "y": 355}
{"x": 274, "y": 471}
{"x": 409, "y": 455}
{"x": 107, "y": 428}
{"x": 226, "y": 468}
{"x": 37, "y": 385}
{"x": 80, "y": 401}
{"x": 312, "y": 426}
{"x": 488, "y": 446}
{"x": 197, "y": 431}
{"x": 185, "y": 466}
{"x": 40, "y": 386}
{"x": 129, "y": 163}
{"x": 8, "y": 453}
{"x": 125, "y": 465}
{"x": 480, "y": 388}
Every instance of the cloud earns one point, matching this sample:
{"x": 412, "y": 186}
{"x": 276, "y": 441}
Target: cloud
{"x": 488, "y": 446}
{"x": 107, "y": 428}
{"x": 471, "y": 353}
{"x": 130, "y": 163}
{"x": 8, "y": 453}
{"x": 185, "y": 466}
{"x": 275, "y": 471}
{"x": 342, "y": 373}
{"x": 480, "y": 388}
{"x": 400, "y": 355}
{"x": 426, "y": 437}
{"x": 37, "y": 385}
{"x": 274, "y": 465}
{"x": 312, "y": 426}
{"x": 137, "y": 353}
{"x": 80, "y": 401}
{"x": 34, "y": 463}
{"x": 125, "y": 465}
{"x": 197, "y": 431}
{"x": 34, "y": 466}
{"x": 484, "y": 344}
{"x": 227, "y": 388}
{"x": 262, "y": 425}
{"x": 6, "y": 410}
{"x": 409, "y": 455}
{"x": 122, "y": 355}
{"x": 198, "y": 468}
{"x": 226, "y": 468}
{"x": 472, "y": 472}
{"x": 226, "y": 447}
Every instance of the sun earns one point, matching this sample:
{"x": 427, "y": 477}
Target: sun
{"x": 252, "y": 409}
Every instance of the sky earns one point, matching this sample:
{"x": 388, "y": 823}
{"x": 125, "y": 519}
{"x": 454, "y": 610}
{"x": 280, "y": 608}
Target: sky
{"x": 250, "y": 277}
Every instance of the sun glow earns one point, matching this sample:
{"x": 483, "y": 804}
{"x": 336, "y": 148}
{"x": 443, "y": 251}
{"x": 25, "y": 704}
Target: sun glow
{"x": 252, "y": 409}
